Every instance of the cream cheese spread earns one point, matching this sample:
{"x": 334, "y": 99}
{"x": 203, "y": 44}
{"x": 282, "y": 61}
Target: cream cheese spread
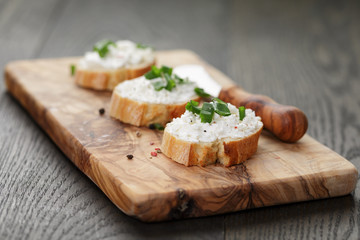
{"x": 124, "y": 54}
{"x": 142, "y": 90}
{"x": 189, "y": 127}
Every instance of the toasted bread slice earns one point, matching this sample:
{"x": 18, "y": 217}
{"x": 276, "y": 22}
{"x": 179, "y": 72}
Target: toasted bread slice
{"x": 226, "y": 139}
{"x": 143, "y": 113}
{"x": 227, "y": 151}
{"x": 138, "y": 103}
{"x": 112, "y": 63}
{"x": 107, "y": 79}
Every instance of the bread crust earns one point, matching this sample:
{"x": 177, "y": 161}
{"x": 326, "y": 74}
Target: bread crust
{"x": 142, "y": 113}
{"x": 227, "y": 152}
{"x": 104, "y": 79}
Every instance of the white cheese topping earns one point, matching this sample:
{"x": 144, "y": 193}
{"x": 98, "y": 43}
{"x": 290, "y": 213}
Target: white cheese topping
{"x": 189, "y": 127}
{"x": 124, "y": 54}
{"x": 142, "y": 90}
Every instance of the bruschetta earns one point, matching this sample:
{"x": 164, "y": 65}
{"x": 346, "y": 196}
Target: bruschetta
{"x": 155, "y": 98}
{"x": 217, "y": 132}
{"x": 113, "y": 62}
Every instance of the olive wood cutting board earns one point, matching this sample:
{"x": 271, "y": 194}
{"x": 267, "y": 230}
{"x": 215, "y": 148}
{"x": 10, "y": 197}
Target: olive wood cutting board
{"x": 156, "y": 188}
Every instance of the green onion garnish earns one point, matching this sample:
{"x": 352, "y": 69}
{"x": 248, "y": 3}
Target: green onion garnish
{"x": 153, "y": 73}
{"x": 192, "y": 106}
{"x": 241, "y": 112}
{"x": 165, "y": 73}
{"x": 102, "y": 47}
{"x": 206, "y": 116}
{"x": 150, "y": 75}
{"x": 170, "y": 82}
{"x": 155, "y": 70}
{"x": 141, "y": 46}
{"x": 208, "y": 109}
{"x": 158, "y": 85}
{"x": 222, "y": 109}
{"x": 166, "y": 69}
{"x": 157, "y": 126}
{"x": 207, "y": 112}
{"x": 218, "y": 100}
{"x": 201, "y": 93}
{"x": 72, "y": 69}
{"x": 180, "y": 80}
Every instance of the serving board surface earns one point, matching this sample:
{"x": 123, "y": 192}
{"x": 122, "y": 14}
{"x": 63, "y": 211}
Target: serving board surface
{"x": 156, "y": 188}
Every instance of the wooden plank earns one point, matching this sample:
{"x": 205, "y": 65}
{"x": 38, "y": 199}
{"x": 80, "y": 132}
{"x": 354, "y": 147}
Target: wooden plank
{"x": 279, "y": 172}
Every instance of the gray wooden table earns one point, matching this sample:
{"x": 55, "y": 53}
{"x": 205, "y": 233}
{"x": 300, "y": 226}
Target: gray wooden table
{"x": 304, "y": 53}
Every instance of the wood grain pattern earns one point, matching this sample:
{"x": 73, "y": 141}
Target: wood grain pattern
{"x": 98, "y": 145}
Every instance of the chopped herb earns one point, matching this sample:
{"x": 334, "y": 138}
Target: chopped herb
{"x": 201, "y": 93}
{"x": 241, "y": 112}
{"x": 168, "y": 81}
{"x": 221, "y": 108}
{"x": 129, "y": 156}
{"x": 208, "y": 109}
{"x": 150, "y": 75}
{"x": 101, "y": 111}
{"x": 141, "y": 46}
{"x": 192, "y": 106}
{"x": 206, "y": 116}
{"x": 218, "y": 100}
{"x": 102, "y": 47}
{"x": 153, "y": 73}
{"x": 72, "y": 69}
{"x": 166, "y": 69}
{"x": 158, "y": 85}
{"x": 156, "y": 70}
{"x": 207, "y": 112}
{"x": 180, "y": 80}
{"x": 156, "y": 126}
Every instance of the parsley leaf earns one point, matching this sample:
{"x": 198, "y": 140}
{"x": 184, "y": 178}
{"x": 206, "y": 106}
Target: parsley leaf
{"x": 201, "y": 93}
{"x": 102, "y": 47}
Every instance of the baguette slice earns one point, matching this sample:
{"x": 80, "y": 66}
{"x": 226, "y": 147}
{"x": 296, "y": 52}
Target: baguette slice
{"x": 200, "y": 146}
{"x": 111, "y": 63}
{"x": 142, "y": 113}
{"x": 227, "y": 151}
{"x": 107, "y": 79}
{"x": 137, "y": 102}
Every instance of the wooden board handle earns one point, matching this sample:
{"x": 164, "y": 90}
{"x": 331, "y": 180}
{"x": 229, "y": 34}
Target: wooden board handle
{"x": 288, "y": 123}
